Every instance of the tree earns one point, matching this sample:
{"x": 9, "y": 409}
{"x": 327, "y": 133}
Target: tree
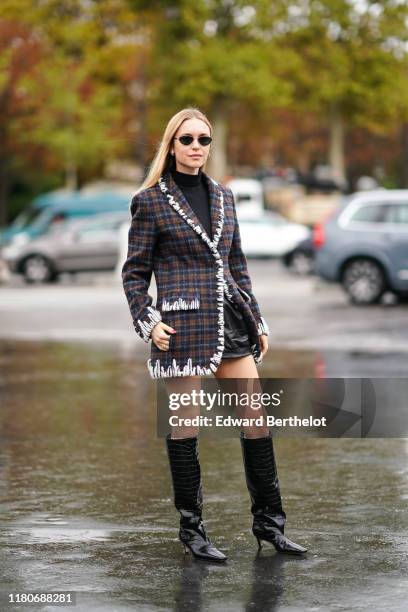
{"x": 59, "y": 94}
{"x": 19, "y": 52}
{"x": 353, "y": 66}
{"x": 208, "y": 54}
{"x": 342, "y": 60}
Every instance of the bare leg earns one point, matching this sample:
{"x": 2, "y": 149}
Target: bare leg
{"x": 244, "y": 368}
{"x": 184, "y": 384}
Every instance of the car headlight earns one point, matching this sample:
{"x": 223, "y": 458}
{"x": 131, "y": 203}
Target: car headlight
{"x": 10, "y": 252}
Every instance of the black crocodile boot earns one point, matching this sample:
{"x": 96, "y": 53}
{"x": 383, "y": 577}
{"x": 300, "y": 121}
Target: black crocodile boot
{"x": 188, "y": 497}
{"x": 263, "y": 486}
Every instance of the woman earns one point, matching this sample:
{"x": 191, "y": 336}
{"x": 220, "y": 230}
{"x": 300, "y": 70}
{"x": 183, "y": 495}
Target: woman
{"x": 206, "y": 319}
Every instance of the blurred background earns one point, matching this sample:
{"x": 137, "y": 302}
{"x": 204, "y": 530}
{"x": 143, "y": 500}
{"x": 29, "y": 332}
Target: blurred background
{"x": 309, "y": 104}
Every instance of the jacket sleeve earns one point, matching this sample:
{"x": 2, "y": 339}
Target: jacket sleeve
{"x": 138, "y": 267}
{"x": 239, "y": 270}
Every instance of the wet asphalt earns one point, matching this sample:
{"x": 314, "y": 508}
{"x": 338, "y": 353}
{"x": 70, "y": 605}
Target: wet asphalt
{"x": 85, "y": 493}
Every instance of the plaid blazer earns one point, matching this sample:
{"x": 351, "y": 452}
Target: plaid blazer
{"x": 192, "y": 274}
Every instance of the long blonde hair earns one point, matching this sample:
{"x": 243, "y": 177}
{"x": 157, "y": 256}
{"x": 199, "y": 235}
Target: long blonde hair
{"x": 162, "y": 160}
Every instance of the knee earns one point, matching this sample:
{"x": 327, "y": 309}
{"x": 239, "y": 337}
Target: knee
{"x": 256, "y": 431}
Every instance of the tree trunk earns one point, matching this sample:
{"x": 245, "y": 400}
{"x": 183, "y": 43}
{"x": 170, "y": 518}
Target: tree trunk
{"x": 4, "y": 189}
{"x": 71, "y": 175}
{"x": 404, "y": 156}
{"x": 217, "y": 164}
{"x": 336, "y": 146}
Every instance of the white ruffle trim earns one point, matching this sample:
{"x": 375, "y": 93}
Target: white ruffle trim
{"x": 148, "y": 323}
{"x": 263, "y": 328}
{"x": 158, "y": 371}
{"x": 227, "y": 291}
{"x": 180, "y": 304}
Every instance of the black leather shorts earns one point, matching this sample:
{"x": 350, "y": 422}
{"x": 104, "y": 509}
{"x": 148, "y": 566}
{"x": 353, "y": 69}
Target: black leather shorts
{"x": 236, "y": 335}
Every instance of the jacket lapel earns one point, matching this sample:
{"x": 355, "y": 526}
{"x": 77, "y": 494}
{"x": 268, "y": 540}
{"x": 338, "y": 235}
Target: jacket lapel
{"x": 177, "y": 200}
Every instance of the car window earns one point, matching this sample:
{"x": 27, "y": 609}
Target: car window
{"x": 107, "y": 229}
{"x": 101, "y": 226}
{"x": 27, "y": 216}
{"x": 398, "y": 213}
{"x": 42, "y": 221}
{"x": 370, "y": 213}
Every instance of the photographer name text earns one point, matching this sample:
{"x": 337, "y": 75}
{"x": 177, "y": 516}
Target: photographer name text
{"x": 231, "y": 421}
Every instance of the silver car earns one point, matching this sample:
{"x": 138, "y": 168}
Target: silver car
{"x": 364, "y": 245}
{"x": 88, "y": 244}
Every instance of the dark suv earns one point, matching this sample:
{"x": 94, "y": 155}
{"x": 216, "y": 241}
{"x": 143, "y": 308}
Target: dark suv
{"x": 364, "y": 245}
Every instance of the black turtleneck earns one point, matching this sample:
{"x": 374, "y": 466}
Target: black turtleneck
{"x": 195, "y": 190}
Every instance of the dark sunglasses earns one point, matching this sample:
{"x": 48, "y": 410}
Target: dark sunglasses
{"x": 187, "y": 140}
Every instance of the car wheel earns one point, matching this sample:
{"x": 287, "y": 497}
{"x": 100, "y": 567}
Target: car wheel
{"x": 364, "y": 281}
{"x": 301, "y": 263}
{"x": 38, "y": 269}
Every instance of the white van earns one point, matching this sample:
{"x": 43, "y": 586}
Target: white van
{"x": 248, "y": 195}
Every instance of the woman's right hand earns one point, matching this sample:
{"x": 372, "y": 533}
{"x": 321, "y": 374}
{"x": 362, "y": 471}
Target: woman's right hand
{"x": 160, "y": 337}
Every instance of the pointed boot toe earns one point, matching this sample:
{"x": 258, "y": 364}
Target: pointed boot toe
{"x": 195, "y": 539}
{"x": 281, "y": 543}
{"x": 210, "y": 552}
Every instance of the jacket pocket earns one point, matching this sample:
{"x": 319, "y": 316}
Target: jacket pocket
{"x": 185, "y": 300}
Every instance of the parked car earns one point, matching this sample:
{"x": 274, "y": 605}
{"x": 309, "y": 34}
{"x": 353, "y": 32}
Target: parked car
{"x": 54, "y": 207}
{"x": 364, "y": 245}
{"x": 81, "y": 245}
{"x": 300, "y": 259}
{"x": 270, "y": 235}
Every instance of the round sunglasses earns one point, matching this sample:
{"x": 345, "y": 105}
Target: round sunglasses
{"x": 187, "y": 140}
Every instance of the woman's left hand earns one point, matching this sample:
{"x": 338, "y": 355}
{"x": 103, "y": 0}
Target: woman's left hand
{"x": 264, "y": 344}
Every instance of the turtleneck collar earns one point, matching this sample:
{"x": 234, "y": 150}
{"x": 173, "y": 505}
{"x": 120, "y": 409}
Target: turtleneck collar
{"x": 187, "y": 180}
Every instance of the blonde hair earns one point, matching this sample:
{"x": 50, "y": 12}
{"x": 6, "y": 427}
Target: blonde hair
{"x": 162, "y": 160}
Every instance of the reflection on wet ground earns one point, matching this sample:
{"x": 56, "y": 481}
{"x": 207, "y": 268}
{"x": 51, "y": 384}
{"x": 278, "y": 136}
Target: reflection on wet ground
{"x": 86, "y": 500}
